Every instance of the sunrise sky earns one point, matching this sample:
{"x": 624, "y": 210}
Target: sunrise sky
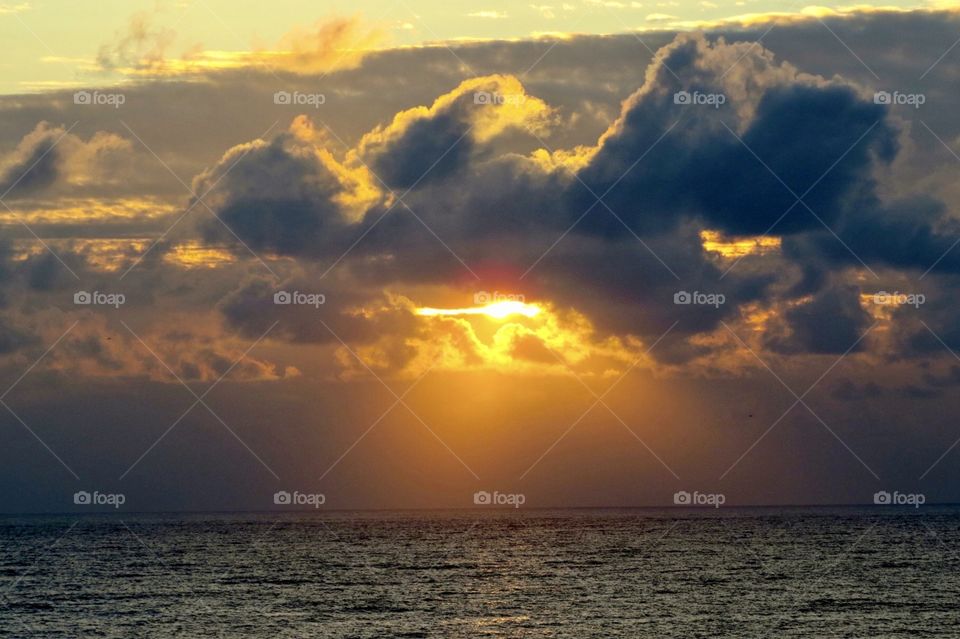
{"x": 593, "y": 252}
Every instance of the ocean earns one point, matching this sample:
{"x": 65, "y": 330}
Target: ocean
{"x": 750, "y": 572}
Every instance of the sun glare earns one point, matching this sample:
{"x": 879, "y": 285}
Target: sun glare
{"x": 497, "y": 310}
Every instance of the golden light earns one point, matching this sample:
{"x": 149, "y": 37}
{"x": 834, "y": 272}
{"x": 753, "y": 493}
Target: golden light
{"x": 497, "y": 310}
{"x": 505, "y": 334}
{"x": 728, "y": 248}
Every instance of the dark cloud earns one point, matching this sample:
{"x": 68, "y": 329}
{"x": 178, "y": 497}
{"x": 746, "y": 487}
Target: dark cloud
{"x": 35, "y": 164}
{"x": 497, "y": 202}
{"x": 792, "y": 143}
{"x": 278, "y": 196}
{"x": 833, "y": 321}
{"x": 429, "y": 149}
{"x": 12, "y": 338}
{"x": 251, "y": 309}
{"x": 950, "y": 378}
{"x": 623, "y": 260}
{"x": 916, "y": 233}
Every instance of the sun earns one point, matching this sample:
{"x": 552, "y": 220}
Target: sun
{"x": 497, "y": 310}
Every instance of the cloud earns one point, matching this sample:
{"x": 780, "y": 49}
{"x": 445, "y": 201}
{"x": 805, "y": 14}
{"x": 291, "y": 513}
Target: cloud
{"x": 505, "y": 184}
{"x": 142, "y": 50}
{"x": 917, "y": 233}
{"x": 33, "y": 165}
{"x": 8, "y": 8}
{"x": 52, "y": 163}
{"x": 806, "y": 15}
{"x": 430, "y": 143}
{"x": 287, "y": 196}
{"x": 777, "y": 136}
{"x": 831, "y": 322}
{"x": 551, "y": 343}
{"x": 141, "y": 45}
{"x": 734, "y": 168}
{"x": 488, "y": 15}
{"x": 192, "y": 350}
{"x": 335, "y": 44}
{"x": 351, "y": 313}
{"x": 13, "y": 339}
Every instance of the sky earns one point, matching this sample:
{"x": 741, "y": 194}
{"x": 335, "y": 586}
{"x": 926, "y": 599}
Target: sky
{"x": 593, "y": 253}
{"x": 61, "y": 44}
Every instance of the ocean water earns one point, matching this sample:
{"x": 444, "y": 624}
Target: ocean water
{"x": 804, "y": 572}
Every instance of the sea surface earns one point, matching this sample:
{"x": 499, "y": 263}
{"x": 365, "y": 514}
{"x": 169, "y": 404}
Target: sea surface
{"x": 764, "y": 572}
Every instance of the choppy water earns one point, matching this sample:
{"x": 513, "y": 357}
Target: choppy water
{"x": 581, "y": 573}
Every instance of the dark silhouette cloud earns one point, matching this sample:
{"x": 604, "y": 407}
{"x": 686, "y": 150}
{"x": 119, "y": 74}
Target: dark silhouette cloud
{"x": 833, "y": 321}
{"x": 665, "y": 169}
{"x": 35, "y": 164}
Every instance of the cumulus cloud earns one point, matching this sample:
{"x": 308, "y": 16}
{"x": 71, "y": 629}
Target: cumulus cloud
{"x": 832, "y": 321}
{"x": 288, "y": 196}
{"x": 473, "y": 184}
{"x": 737, "y": 169}
{"x": 426, "y": 144}
{"x": 33, "y": 165}
{"x": 53, "y": 162}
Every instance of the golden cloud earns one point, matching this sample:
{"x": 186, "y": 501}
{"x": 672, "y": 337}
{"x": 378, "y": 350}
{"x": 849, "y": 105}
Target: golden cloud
{"x": 492, "y": 105}
{"x": 549, "y": 341}
{"x": 141, "y": 50}
{"x": 737, "y": 247}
